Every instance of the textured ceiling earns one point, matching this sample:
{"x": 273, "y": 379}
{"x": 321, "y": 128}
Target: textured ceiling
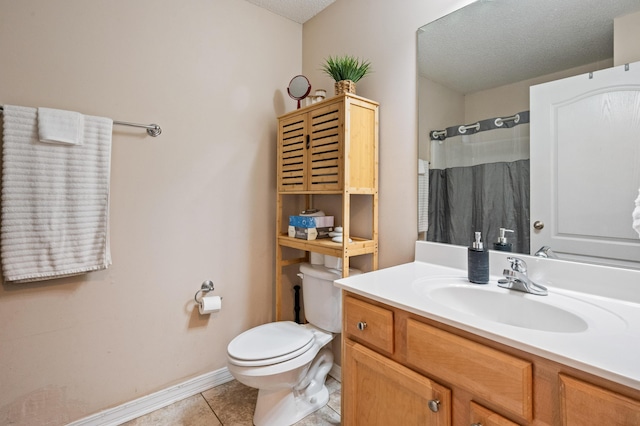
{"x": 298, "y": 11}
{"x": 490, "y": 43}
{"x": 494, "y": 42}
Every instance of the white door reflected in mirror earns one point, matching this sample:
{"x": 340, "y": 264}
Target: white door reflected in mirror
{"x": 585, "y": 157}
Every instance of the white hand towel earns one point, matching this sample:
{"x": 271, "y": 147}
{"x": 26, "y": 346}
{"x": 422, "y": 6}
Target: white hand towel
{"x": 423, "y": 195}
{"x": 636, "y": 215}
{"x": 55, "y": 200}
{"x": 59, "y": 126}
{"x": 421, "y": 166}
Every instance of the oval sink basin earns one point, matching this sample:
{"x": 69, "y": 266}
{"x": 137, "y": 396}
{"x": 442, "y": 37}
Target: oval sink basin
{"x": 552, "y": 313}
{"x": 510, "y": 309}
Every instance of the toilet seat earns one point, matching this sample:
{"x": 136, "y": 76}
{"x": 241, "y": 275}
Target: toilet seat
{"x": 270, "y": 344}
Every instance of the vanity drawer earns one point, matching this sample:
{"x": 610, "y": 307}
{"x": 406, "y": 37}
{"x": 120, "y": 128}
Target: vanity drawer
{"x": 479, "y": 415}
{"x": 486, "y": 372}
{"x": 368, "y": 324}
{"x": 584, "y": 403}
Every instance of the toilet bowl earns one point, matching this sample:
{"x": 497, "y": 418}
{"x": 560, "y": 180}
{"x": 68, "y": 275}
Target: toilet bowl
{"x": 289, "y": 362}
{"x": 291, "y": 384}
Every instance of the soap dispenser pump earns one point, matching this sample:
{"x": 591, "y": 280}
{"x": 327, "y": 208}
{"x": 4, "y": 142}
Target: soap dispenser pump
{"x": 502, "y": 244}
{"x": 478, "y": 261}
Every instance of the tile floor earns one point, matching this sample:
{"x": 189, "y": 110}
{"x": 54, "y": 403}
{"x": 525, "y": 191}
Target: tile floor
{"x": 232, "y": 404}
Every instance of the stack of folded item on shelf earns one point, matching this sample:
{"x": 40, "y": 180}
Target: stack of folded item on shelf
{"x": 336, "y": 235}
{"x": 310, "y": 227}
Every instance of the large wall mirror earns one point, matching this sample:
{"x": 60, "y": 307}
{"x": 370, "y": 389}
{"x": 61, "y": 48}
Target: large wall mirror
{"x": 475, "y": 70}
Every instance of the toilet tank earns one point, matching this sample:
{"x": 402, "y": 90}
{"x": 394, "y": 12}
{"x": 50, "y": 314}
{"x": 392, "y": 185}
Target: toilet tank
{"x": 321, "y": 299}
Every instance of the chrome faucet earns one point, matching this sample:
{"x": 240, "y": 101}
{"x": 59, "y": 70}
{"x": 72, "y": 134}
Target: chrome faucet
{"x": 516, "y": 278}
{"x": 546, "y": 252}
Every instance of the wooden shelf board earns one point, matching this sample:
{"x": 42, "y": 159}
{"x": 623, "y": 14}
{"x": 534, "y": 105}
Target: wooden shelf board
{"x": 359, "y": 246}
{"x": 352, "y": 191}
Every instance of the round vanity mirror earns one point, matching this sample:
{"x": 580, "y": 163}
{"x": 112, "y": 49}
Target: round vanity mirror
{"x": 299, "y": 88}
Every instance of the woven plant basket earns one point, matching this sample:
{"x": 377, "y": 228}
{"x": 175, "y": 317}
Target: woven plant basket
{"x": 345, "y": 86}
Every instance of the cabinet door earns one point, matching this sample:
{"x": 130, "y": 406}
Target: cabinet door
{"x": 325, "y": 170}
{"x": 586, "y": 404}
{"x": 480, "y": 415}
{"x": 379, "y": 391}
{"x": 292, "y": 153}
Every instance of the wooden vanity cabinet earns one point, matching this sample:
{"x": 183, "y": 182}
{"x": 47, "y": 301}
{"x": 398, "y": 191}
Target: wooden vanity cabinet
{"x": 476, "y": 380}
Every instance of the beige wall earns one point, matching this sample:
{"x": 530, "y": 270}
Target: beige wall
{"x": 626, "y": 32}
{"x": 195, "y": 203}
{"x": 512, "y": 98}
{"x": 383, "y": 32}
{"x": 439, "y": 107}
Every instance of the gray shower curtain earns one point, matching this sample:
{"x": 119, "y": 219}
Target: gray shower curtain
{"x": 479, "y": 181}
{"x": 485, "y": 198}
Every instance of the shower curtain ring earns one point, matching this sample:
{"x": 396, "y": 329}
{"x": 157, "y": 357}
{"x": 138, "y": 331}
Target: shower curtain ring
{"x": 500, "y": 121}
{"x": 463, "y": 129}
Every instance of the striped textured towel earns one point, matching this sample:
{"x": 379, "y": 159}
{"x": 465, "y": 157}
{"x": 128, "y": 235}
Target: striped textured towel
{"x": 636, "y": 215}
{"x": 55, "y": 200}
{"x": 423, "y": 195}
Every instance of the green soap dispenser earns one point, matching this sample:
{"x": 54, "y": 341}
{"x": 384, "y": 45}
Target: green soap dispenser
{"x": 502, "y": 244}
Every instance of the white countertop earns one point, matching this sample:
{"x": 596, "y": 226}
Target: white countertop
{"x": 609, "y": 348}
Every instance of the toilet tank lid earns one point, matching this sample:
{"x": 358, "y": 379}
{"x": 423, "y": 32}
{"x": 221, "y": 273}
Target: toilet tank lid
{"x": 324, "y": 273}
{"x": 269, "y": 341}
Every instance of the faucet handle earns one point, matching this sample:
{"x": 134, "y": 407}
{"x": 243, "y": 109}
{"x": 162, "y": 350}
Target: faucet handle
{"x": 517, "y": 264}
{"x": 546, "y": 252}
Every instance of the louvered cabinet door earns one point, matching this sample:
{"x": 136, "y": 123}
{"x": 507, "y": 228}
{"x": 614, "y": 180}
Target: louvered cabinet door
{"x": 292, "y": 153}
{"x": 325, "y": 171}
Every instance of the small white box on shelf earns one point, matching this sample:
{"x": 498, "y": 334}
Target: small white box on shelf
{"x": 309, "y": 233}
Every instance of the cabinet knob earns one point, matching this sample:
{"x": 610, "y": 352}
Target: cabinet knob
{"x": 538, "y": 224}
{"x": 361, "y": 325}
{"x": 434, "y": 405}
{"x": 476, "y": 424}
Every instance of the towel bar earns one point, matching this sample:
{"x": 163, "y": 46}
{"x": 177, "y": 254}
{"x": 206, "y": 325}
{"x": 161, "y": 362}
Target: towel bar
{"x": 152, "y": 129}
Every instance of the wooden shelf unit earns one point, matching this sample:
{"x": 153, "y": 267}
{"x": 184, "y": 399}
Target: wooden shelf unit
{"x": 328, "y": 148}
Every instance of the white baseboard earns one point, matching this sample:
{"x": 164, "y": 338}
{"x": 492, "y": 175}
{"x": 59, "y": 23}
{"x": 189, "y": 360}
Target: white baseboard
{"x": 336, "y": 372}
{"x": 146, "y": 404}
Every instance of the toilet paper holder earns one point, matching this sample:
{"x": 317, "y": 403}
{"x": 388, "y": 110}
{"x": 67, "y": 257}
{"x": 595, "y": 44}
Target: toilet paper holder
{"x": 206, "y": 287}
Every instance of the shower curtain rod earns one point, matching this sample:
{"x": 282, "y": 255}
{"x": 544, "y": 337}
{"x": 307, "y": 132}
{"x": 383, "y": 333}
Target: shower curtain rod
{"x": 152, "y": 129}
{"x": 489, "y": 124}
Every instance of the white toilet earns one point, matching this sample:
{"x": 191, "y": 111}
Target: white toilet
{"x": 289, "y": 362}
